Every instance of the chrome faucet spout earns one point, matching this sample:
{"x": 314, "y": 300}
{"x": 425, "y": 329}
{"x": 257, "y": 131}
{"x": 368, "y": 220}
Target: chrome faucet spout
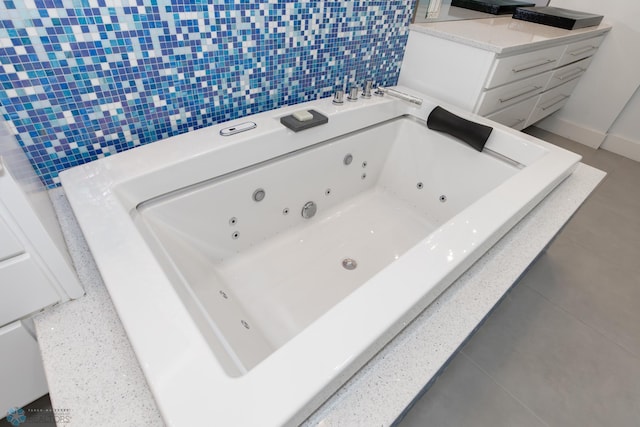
{"x": 397, "y": 94}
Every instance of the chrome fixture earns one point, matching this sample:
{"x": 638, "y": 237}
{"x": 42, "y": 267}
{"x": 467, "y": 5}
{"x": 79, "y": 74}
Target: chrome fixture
{"x": 400, "y": 95}
{"x": 349, "y": 263}
{"x": 338, "y": 97}
{"x": 242, "y": 127}
{"x": 309, "y": 209}
{"x": 347, "y": 159}
{"x": 353, "y": 94}
{"x": 366, "y": 93}
{"x": 258, "y": 195}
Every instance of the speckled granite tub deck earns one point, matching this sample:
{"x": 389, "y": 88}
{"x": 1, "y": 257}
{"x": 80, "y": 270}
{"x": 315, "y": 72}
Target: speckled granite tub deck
{"x": 82, "y": 79}
{"x": 92, "y": 370}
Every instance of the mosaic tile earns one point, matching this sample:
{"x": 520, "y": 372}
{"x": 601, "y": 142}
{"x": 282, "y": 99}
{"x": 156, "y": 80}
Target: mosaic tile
{"x": 84, "y": 79}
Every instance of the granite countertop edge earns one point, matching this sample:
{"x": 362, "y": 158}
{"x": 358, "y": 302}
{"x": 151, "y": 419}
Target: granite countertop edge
{"x": 449, "y": 30}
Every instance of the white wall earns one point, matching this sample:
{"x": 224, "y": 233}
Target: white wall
{"x": 624, "y": 135}
{"x": 610, "y": 81}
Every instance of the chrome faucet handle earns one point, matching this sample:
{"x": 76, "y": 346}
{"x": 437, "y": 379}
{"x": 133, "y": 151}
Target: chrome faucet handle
{"x": 338, "y": 97}
{"x": 379, "y": 91}
{"x": 353, "y": 94}
{"x": 366, "y": 93}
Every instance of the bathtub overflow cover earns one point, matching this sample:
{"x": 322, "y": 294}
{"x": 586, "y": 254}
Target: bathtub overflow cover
{"x": 349, "y": 263}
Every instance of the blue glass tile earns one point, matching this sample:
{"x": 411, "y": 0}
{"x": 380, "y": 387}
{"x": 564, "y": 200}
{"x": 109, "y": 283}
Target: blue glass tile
{"x": 81, "y": 80}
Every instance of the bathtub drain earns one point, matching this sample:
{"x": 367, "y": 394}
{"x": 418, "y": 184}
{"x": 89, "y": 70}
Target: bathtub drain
{"x": 349, "y": 264}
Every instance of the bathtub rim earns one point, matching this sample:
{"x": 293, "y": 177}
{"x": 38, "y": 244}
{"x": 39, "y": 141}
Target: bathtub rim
{"x": 158, "y": 360}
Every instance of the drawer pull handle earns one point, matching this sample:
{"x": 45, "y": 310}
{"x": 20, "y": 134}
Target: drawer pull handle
{"x": 571, "y": 74}
{"x": 531, "y": 66}
{"x": 562, "y": 98}
{"x": 583, "y": 50}
{"x": 516, "y": 123}
{"x": 535, "y": 88}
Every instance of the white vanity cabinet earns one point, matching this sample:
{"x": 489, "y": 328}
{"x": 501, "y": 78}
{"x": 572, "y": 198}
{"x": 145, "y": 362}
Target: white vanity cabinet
{"x": 511, "y": 71}
{"x": 35, "y": 273}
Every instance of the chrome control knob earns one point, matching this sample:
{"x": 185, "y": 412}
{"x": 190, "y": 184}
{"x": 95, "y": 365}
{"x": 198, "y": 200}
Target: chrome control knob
{"x": 338, "y": 97}
{"x": 366, "y": 93}
{"x": 353, "y": 94}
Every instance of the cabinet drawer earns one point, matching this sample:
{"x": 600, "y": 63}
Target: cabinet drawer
{"x": 21, "y": 370}
{"x": 515, "y": 116}
{"x": 24, "y": 288}
{"x": 525, "y": 65}
{"x": 551, "y": 101}
{"x": 504, "y": 96}
{"x": 568, "y": 73}
{"x": 580, "y": 50}
{"x": 9, "y": 245}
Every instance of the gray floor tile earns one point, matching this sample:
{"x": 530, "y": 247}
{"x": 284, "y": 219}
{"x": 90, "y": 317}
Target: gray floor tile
{"x": 615, "y": 165}
{"x": 608, "y": 230}
{"x": 609, "y": 222}
{"x": 593, "y": 290}
{"x": 38, "y": 413}
{"x": 466, "y": 396}
{"x": 588, "y": 154}
{"x": 566, "y": 372}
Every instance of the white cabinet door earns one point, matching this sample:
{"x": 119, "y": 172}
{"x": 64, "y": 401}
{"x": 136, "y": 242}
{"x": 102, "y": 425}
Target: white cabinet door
{"x": 24, "y": 289}
{"x": 21, "y": 371}
{"x": 9, "y": 245}
{"x": 515, "y": 116}
{"x": 516, "y": 67}
{"x": 580, "y": 50}
{"x": 551, "y": 101}
{"x": 502, "y": 97}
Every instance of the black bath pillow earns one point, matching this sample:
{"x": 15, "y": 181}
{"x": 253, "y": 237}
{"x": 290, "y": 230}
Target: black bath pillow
{"x": 472, "y": 133}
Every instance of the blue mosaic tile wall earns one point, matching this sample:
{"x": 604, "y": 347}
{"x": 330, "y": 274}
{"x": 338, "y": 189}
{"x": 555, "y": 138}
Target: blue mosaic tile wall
{"x": 83, "y": 79}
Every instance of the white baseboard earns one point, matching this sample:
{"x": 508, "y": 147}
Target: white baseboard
{"x": 620, "y": 145}
{"x": 572, "y": 131}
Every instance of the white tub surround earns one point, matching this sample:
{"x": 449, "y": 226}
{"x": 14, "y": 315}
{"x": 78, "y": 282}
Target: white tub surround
{"x": 512, "y": 71}
{"x": 92, "y": 370}
{"x": 190, "y": 356}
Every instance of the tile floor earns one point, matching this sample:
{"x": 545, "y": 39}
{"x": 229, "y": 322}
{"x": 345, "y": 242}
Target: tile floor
{"x": 38, "y": 414}
{"x": 563, "y": 348}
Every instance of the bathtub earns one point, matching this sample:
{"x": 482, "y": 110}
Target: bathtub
{"x": 255, "y": 273}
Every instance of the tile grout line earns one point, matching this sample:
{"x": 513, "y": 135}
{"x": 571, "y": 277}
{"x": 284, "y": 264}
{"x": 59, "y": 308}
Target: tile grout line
{"x": 582, "y": 322}
{"x": 531, "y": 411}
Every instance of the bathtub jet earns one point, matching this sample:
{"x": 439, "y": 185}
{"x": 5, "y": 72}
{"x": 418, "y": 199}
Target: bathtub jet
{"x": 229, "y": 300}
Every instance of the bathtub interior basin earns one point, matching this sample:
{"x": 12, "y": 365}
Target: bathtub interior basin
{"x": 254, "y": 274}
{"x": 258, "y": 272}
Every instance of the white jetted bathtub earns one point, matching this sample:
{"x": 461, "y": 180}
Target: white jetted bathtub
{"x": 255, "y": 273}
